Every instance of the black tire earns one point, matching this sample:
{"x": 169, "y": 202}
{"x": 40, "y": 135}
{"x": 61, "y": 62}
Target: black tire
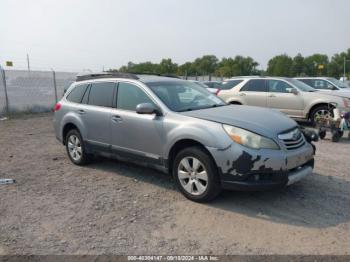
{"x": 322, "y": 134}
{"x": 213, "y": 186}
{"x": 317, "y": 109}
{"x": 336, "y": 136}
{"x": 85, "y": 158}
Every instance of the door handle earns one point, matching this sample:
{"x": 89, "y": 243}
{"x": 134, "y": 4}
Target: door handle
{"x": 272, "y": 96}
{"x": 81, "y": 112}
{"x": 242, "y": 94}
{"x": 117, "y": 118}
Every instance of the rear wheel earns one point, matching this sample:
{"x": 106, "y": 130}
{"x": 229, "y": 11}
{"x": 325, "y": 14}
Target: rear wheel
{"x": 196, "y": 175}
{"x": 76, "y": 149}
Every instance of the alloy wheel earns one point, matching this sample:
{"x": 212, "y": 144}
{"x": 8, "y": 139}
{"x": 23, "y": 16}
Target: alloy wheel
{"x": 74, "y": 147}
{"x": 192, "y": 175}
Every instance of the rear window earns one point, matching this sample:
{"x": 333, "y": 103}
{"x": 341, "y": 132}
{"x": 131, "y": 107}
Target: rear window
{"x": 77, "y": 93}
{"x": 254, "y": 85}
{"x": 229, "y": 84}
{"x": 101, "y": 94}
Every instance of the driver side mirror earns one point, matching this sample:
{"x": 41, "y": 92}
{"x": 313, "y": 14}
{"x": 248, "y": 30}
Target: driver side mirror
{"x": 294, "y": 91}
{"x": 147, "y": 109}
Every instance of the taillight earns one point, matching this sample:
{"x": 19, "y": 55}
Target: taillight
{"x": 217, "y": 92}
{"x": 57, "y": 107}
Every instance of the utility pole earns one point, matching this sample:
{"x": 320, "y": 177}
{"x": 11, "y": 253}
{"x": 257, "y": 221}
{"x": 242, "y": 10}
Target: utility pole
{"x": 344, "y": 69}
{"x": 2, "y": 71}
{"x": 345, "y": 60}
{"x": 28, "y": 65}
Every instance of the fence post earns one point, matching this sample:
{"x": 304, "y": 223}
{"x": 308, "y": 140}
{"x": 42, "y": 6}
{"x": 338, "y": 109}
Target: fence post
{"x": 5, "y": 89}
{"x": 54, "y": 85}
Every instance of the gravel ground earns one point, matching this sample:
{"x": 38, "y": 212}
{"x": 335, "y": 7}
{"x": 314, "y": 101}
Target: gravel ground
{"x": 118, "y": 208}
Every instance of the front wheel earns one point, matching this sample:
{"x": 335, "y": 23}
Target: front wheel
{"x": 196, "y": 175}
{"x": 319, "y": 113}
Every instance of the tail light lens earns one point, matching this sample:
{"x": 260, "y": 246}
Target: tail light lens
{"x": 217, "y": 92}
{"x": 57, "y": 107}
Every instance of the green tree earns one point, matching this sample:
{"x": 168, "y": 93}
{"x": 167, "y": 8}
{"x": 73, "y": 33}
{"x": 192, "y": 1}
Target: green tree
{"x": 207, "y": 64}
{"x": 336, "y": 65}
{"x": 238, "y": 66}
{"x": 316, "y": 65}
{"x": 280, "y": 65}
{"x": 166, "y": 66}
{"x": 298, "y": 66}
{"x": 187, "y": 69}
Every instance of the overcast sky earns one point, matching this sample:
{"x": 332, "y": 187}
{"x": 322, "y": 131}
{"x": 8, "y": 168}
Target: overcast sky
{"x": 73, "y": 35}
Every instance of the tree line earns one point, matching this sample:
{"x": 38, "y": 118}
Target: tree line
{"x": 280, "y": 65}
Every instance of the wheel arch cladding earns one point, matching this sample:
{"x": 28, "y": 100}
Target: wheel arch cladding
{"x": 182, "y": 144}
{"x": 67, "y": 127}
{"x": 316, "y": 106}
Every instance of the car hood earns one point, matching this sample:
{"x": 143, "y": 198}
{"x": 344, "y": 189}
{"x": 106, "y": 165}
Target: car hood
{"x": 341, "y": 93}
{"x": 259, "y": 120}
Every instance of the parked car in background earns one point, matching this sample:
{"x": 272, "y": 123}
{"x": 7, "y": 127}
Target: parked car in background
{"x": 290, "y": 96}
{"x": 213, "y": 84}
{"x": 202, "y": 84}
{"x": 179, "y": 127}
{"x": 327, "y": 84}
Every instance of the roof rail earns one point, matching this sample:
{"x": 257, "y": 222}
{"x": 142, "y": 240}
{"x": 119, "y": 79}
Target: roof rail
{"x": 105, "y": 75}
{"x": 156, "y": 74}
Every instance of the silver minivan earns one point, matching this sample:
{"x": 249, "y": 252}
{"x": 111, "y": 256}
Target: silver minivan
{"x": 181, "y": 128}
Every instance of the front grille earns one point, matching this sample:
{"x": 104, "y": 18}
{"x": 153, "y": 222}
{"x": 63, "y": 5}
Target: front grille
{"x": 293, "y": 139}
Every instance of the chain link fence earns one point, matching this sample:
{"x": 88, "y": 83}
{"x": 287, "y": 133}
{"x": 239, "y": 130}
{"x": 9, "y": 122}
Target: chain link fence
{"x": 38, "y": 91}
{"x": 32, "y": 91}
{"x": 203, "y": 78}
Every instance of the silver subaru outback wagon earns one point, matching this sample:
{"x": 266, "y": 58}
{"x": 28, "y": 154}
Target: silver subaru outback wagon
{"x": 181, "y": 128}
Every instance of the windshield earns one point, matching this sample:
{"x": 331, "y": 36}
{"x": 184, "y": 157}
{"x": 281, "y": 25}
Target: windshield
{"x": 338, "y": 83}
{"x": 300, "y": 85}
{"x": 182, "y": 96}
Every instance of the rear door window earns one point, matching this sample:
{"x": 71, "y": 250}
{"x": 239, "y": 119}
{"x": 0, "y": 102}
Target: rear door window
{"x": 101, "y": 94}
{"x": 77, "y": 93}
{"x": 254, "y": 85}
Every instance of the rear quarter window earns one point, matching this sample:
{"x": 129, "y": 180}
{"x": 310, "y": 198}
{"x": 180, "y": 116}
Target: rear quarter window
{"x": 255, "y": 85}
{"x": 77, "y": 93}
{"x": 229, "y": 84}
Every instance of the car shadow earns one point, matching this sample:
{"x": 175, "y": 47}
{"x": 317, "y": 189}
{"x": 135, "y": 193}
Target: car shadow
{"x": 318, "y": 201}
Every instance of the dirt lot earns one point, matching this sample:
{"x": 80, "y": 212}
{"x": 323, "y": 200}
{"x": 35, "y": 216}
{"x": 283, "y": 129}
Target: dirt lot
{"x": 114, "y": 207}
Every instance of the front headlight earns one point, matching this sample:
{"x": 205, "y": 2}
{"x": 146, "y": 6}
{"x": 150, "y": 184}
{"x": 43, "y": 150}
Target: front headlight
{"x": 249, "y": 139}
{"x": 346, "y": 102}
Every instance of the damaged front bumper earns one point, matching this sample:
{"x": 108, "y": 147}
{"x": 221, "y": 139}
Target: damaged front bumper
{"x": 247, "y": 169}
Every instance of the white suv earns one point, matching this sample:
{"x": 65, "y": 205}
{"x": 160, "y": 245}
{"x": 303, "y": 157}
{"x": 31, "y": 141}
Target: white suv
{"x": 288, "y": 95}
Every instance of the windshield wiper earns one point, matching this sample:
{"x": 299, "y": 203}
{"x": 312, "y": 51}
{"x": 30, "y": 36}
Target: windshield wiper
{"x": 199, "y": 108}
